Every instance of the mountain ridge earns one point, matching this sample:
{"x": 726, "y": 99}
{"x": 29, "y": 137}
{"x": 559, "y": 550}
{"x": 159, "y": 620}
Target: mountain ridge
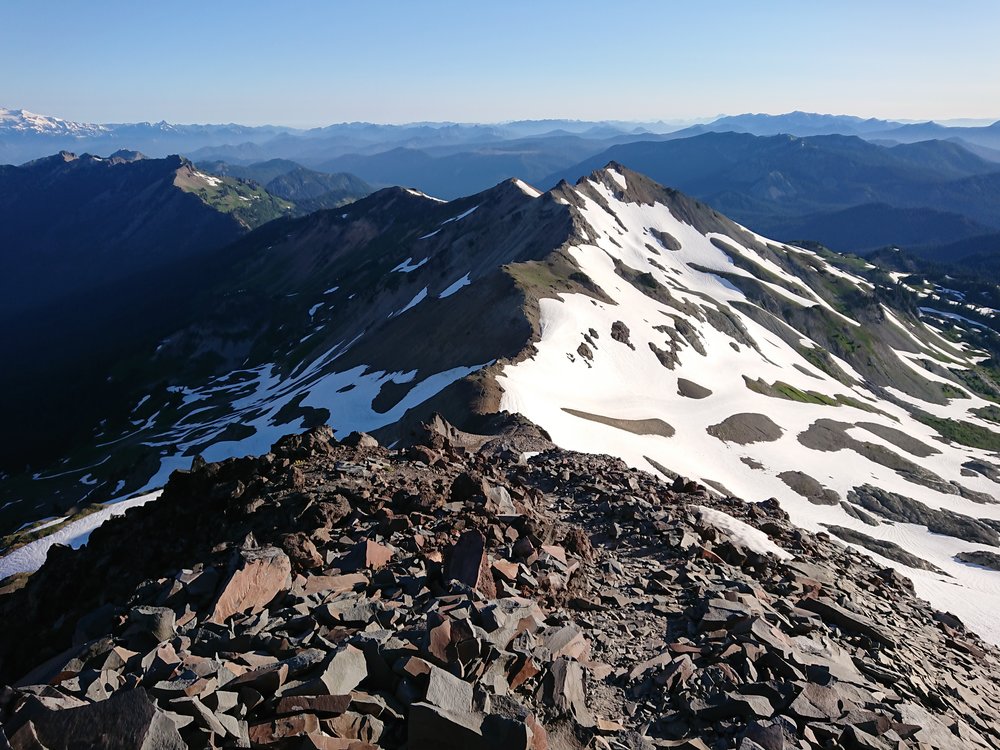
{"x": 97, "y": 256}
{"x": 768, "y": 182}
{"x": 547, "y": 305}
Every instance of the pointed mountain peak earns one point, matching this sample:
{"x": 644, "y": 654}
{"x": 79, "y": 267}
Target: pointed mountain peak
{"x": 124, "y": 155}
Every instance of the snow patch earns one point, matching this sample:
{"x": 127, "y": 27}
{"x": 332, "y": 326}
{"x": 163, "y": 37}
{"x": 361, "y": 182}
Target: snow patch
{"x": 29, "y": 558}
{"x": 407, "y": 265}
{"x": 743, "y": 533}
{"x": 420, "y": 194}
{"x": 417, "y": 299}
{"x": 211, "y": 180}
{"x": 527, "y": 189}
{"x": 460, "y": 216}
{"x": 452, "y": 288}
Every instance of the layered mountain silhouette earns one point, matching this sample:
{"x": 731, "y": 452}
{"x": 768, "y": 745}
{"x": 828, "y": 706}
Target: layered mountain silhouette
{"x": 799, "y": 187}
{"x": 789, "y": 176}
{"x": 98, "y": 255}
{"x": 617, "y": 316}
{"x": 308, "y": 189}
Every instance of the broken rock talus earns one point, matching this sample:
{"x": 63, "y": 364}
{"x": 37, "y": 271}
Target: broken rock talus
{"x": 599, "y": 607}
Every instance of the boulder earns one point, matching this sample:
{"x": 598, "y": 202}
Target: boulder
{"x": 367, "y": 555}
{"x": 565, "y": 692}
{"x": 260, "y": 576}
{"x": 127, "y": 720}
{"x": 469, "y": 564}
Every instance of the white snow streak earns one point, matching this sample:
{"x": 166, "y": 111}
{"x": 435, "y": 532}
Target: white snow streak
{"x": 29, "y": 558}
{"x": 452, "y": 288}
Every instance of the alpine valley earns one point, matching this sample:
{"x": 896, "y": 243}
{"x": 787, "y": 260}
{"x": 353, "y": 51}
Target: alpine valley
{"x": 292, "y": 461}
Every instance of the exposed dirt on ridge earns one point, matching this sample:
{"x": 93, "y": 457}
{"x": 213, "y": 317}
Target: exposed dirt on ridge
{"x": 635, "y": 426}
{"x": 746, "y": 428}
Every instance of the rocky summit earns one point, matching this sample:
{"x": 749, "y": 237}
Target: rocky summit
{"x": 474, "y": 592}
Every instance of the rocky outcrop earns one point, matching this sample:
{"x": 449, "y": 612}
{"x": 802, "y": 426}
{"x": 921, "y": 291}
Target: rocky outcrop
{"x": 347, "y": 596}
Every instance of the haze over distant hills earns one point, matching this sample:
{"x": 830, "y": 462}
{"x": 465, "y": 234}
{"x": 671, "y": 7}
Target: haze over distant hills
{"x": 26, "y": 135}
{"x": 851, "y": 183}
{"x": 308, "y": 189}
{"x": 796, "y": 187}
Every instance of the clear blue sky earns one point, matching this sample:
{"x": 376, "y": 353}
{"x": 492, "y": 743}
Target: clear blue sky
{"x": 308, "y": 62}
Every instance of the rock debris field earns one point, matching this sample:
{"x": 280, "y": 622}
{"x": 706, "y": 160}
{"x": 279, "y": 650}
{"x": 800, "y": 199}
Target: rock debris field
{"x": 462, "y": 593}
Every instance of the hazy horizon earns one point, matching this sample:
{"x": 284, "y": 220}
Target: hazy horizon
{"x": 317, "y": 63}
{"x": 953, "y": 121}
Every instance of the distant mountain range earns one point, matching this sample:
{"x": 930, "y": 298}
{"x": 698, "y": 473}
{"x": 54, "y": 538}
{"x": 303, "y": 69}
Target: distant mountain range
{"x": 851, "y": 183}
{"x": 25, "y": 135}
{"x": 308, "y": 189}
{"x": 808, "y": 123}
{"x": 843, "y": 191}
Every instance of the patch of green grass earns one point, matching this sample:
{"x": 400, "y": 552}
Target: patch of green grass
{"x": 991, "y": 413}
{"x": 760, "y": 272}
{"x": 557, "y": 274}
{"x": 249, "y": 203}
{"x": 964, "y": 433}
{"x": 848, "y": 401}
{"x": 951, "y": 391}
{"x": 784, "y": 390}
{"x": 819, "y": 359}
{"x": 981, "y": 380}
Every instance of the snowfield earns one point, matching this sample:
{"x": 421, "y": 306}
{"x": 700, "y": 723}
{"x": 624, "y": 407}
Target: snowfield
{"x": 580, "y": 368}
{"x": 29, "y": 558}
{"x": 743, "y": 533}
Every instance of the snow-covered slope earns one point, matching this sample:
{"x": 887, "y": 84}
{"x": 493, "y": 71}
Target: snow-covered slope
{"x": 22, "y": 121}
{"x": 75, "y": 534}
{"x": 352, "y": 317}
{"x": 692, "y": 365}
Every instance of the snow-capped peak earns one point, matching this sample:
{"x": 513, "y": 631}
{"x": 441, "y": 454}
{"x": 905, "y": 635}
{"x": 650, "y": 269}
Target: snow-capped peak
{"x": 23, "y": 121}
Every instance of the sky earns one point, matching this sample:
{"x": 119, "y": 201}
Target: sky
{"x": 312, "y": 62}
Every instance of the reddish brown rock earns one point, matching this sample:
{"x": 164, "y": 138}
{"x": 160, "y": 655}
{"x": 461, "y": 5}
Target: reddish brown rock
{"x": 265, "y": 681}
{"x": 367, "y": 555}
{"x": 470, "y": 564}
{"x": 260, "y": 577}
{"x": 439, "y": 639}
{"x": 276, "y": 733}
{"x": 301, "y": 550}
{"x": 523, "y": 670}
{"x": 320, "y": 705}
{"x": 334, "y": 584}
{"x": 506, "y": 569}
{"x": 127, "y": 720}
{"x": 322, "y": 742}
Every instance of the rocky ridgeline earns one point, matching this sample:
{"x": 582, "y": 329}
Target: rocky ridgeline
{"x": 460, "y": 595}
